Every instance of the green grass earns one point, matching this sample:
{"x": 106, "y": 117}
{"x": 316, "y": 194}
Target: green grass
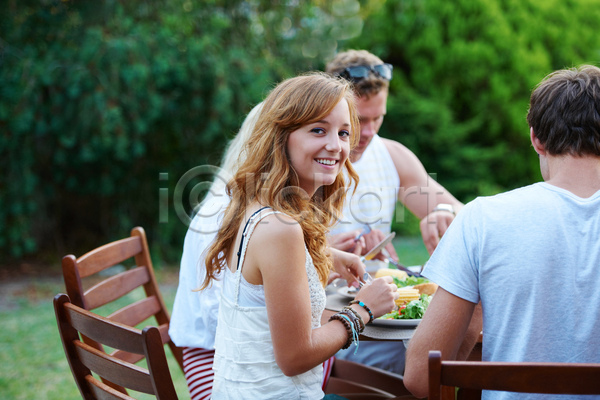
{"x": 32, "y": 361}
{"x": 411, "y": 250}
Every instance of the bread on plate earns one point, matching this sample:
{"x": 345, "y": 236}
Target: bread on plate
{"x": 391, "y": 272}
{"x": 426, "y": 288}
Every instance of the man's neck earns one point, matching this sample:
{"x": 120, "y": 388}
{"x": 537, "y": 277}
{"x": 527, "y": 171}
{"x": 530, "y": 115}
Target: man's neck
{"x": 578, "y": 175}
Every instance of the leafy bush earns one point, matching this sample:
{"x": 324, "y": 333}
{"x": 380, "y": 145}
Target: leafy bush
{"x": 464, "y": 71}
{"x": 104, "y": 105}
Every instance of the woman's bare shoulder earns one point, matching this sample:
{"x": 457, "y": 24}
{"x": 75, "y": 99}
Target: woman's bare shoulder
{"x": 277, "y": 238}
{"x": 278, "y": 227}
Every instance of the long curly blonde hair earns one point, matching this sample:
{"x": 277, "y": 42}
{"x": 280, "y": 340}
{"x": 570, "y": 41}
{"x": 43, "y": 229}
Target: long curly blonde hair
{"x": 267, "y": 177}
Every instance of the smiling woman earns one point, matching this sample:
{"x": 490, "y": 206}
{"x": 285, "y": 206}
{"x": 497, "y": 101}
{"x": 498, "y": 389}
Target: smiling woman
{"x": 271, "y": 249}
{"x": 317, "y": 151}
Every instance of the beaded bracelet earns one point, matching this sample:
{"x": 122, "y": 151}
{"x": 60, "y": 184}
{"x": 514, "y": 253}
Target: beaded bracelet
{"x": 353, "y": 319}
{"x": 360, "y": 325}
{"x": 347, "y": 325}
{"x": 363, "y": 305}
{"x": 354, "y": 332}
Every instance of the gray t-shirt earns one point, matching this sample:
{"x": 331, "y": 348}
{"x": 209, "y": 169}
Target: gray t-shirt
{"x": 532, "y": 257}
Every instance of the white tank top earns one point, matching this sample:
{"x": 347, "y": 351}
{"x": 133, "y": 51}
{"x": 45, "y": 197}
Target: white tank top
{"x": 376, "y": 195}
{"x": 244, "y": 364}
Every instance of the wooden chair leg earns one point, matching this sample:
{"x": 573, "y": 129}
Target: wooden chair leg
{"x": 448, "y": 393}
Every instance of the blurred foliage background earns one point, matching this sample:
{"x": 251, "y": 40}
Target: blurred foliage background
{"x": 104, "y": 106}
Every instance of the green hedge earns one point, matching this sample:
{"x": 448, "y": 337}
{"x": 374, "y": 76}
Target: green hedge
{"x": 464, "y": 71}
{"x": 104, "y": 106}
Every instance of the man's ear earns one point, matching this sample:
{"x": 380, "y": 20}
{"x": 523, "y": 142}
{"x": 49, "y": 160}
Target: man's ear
{"x": 537, "y": 145}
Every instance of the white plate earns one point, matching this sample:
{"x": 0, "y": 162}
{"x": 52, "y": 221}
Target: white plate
{"x": 415, "y": 268}
{"x": 397, "y": 322}
{"x": 348, "y": 292}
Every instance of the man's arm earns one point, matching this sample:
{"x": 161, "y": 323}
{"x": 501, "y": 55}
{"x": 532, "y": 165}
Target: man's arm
{"x": 447, "y": 326}
{"x": 421, "y": 194}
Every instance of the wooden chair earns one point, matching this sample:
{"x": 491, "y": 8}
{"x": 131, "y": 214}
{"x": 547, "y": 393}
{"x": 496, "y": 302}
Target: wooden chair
{"x": 85, "y": 359}
{"x": 354, "y": 380}
{"x": 523, "y": 377}
{"x": 105, "y": 290}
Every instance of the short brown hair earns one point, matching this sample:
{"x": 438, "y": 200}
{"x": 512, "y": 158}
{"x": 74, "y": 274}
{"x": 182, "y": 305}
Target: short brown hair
{"x": 564, "y": 111}
{"x": 366, "y": 87}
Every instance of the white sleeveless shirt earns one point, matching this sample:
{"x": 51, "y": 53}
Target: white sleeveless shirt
{"x": 244, "y": 364}
{"x": 374, "y": 201}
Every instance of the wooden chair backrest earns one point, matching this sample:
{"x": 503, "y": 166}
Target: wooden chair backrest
{"x": 106, "y": 290}
{"x": 523, "y": 377}
{"x": 348, "y": 377}
{"x": 85, "y": 359}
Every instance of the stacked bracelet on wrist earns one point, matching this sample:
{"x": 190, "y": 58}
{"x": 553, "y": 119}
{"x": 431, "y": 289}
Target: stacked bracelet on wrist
{"x": 352, "y": 322}
{"x": 363, "y": 305}
{"x": 356, "y": 318}
{"x": 347, "y": 324}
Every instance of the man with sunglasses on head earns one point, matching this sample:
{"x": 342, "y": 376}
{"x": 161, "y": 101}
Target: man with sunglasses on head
{"x": 389, "y": 172}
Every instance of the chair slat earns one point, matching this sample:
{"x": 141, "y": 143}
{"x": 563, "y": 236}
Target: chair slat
{"x": 87, "y": 325}
{"x": 367, "y": 375}
{"x": 137, "y": 312}
{"x": 130, "y": 376}
{"x": 134, "y": 358}
{"x": 115, "y": 287}
{"x": 521, "y": 377}
{"x": 103, "y": 391}
{"x": 126, "y": 356}
{"x": 339, "y": 385}
{"x": 108, "y": 255}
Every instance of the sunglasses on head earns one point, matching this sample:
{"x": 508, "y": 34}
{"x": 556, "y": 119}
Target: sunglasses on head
{"x": 358, "y": 72}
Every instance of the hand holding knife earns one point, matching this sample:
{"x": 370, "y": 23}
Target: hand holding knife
{"x": 380, "y": 248}
{"x": 373, "y": 253}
